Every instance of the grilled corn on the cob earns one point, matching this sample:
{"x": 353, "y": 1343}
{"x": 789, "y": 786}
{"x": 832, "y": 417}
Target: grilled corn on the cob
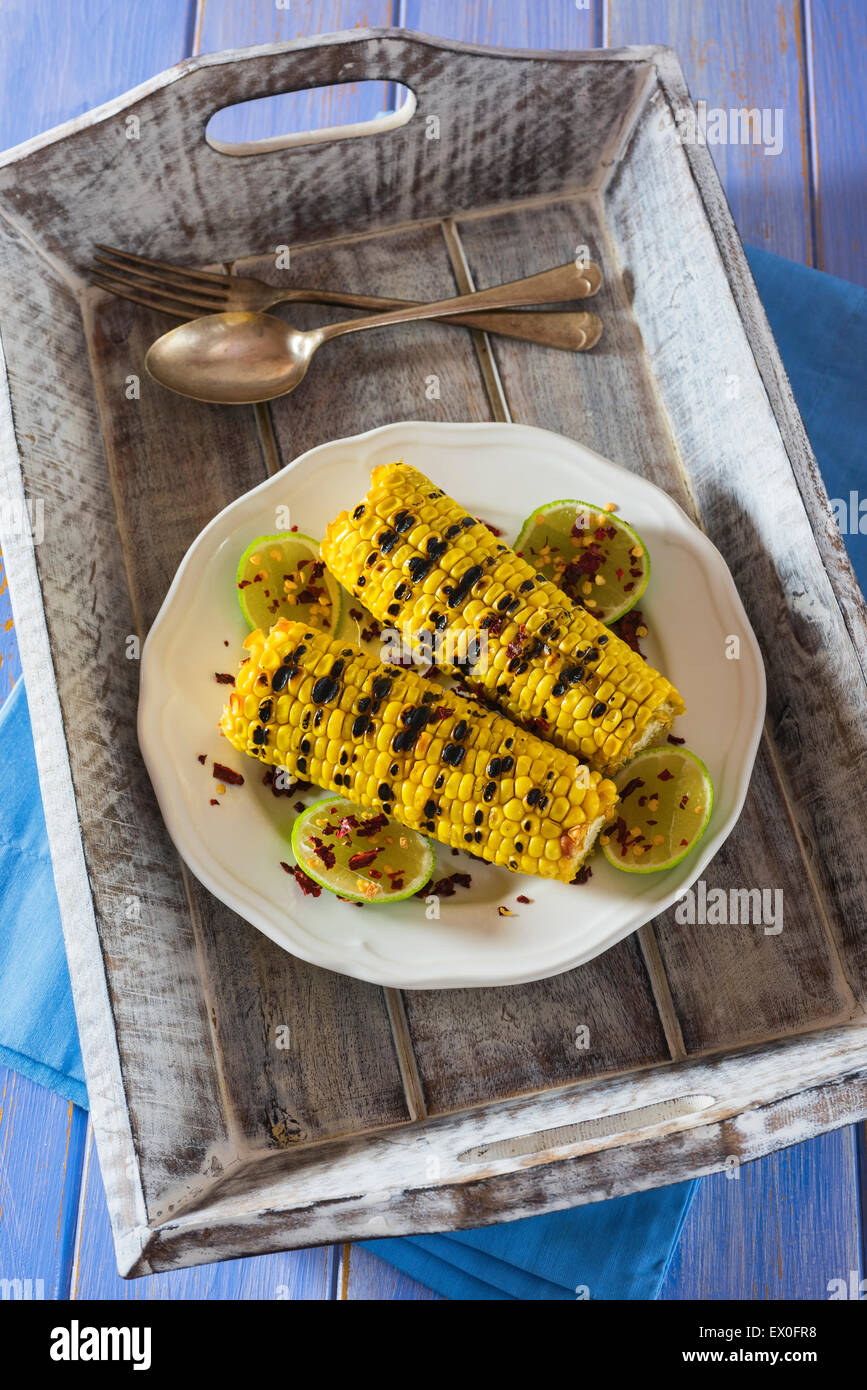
{"x": 414, "y": 556}
{"x": 389, "y": 739}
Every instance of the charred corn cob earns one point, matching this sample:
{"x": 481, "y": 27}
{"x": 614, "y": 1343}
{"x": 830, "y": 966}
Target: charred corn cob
{"x": 387, "y": 738}
{"x": 418, "y": 561}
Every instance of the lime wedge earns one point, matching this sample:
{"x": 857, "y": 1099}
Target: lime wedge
{"x": 284, "y": 577}
{"x": 666, "y": 800}
{"x": 589, "y": 553}
{"x": 361, "y": 855}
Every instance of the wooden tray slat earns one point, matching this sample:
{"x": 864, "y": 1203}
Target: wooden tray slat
{"x": 335, "y": 1077}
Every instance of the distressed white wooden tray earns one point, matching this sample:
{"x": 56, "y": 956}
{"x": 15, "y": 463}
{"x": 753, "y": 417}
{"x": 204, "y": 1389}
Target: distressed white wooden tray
{"x": 400, "y": 1112}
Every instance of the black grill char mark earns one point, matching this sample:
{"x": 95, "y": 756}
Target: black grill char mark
{"x": 419, "y": 568}
{"x": 459, "y": 593}
{"x": 403, "y": 521}
{"x": 413, "y": 718}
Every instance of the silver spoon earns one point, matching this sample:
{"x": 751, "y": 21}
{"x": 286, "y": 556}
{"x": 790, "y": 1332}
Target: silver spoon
{"x": 241, "y": 359}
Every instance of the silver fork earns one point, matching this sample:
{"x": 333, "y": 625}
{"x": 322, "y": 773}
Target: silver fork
{"x": 187, "y": 294}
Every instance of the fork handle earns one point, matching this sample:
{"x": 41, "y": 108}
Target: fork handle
{"x": 570, "y": 331}
{"x": 548, "y": 287}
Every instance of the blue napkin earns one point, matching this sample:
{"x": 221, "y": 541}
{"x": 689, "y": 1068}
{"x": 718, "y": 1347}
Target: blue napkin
{"x": 37, "y": 1022}
{"x": 612, "y": 1250}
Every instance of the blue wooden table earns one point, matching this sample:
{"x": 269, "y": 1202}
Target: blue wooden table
{"x": 795, "y": 1221}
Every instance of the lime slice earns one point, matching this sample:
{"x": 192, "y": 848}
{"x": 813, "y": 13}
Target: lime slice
{"x": 666, "y": 800}
{"x": 589, "y": 553}
{"x": 361, "y": 855}
{"x": 284, "y": 577}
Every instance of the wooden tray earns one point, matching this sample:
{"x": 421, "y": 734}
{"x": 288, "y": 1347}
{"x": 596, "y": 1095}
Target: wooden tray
{"x": 390, "y": 1113}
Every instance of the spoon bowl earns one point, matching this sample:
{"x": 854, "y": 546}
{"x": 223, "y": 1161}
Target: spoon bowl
{"x": 232, "y": 359}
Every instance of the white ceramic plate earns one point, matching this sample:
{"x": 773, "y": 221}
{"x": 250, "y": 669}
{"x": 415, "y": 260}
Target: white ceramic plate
{"x": 500, "y": 472}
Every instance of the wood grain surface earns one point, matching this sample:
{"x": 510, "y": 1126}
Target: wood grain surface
{"x": 510, "y": 24}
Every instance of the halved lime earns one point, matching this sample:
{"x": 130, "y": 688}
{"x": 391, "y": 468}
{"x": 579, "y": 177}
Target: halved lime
{"x": 589, "y": 553}
{"x": 361, "y": 855}
{"x": 283, "y": 576}
{"x": 666, "y": 797}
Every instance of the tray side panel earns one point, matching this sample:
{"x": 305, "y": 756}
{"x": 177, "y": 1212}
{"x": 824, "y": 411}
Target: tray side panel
{"x": 487, "y": 127}
{"x": 141, "y": 916}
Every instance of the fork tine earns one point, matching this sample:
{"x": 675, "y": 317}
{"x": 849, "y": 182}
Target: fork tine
{"x": 164, "y": 265}
{"x": 122, "y": 292}
{"x": 155, "y": 284}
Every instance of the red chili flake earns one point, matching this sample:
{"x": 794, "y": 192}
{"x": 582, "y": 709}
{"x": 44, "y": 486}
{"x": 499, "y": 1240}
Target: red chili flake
{"x": 346, "y": 827}
{"x": 600, "y": 533}
{"x": 243, "y": 583}
{"x": 287, "y": 868}
{"x": 620, "y": 574}
{"x": 583, "y": 874}
{"x": 684, "y": 842}
{"x": 225, "y": 641}
{"x": 203, "y": 758}
{"x": 611, "y": 532}
{"x": 370, "y": 634}
{"x": 627, "y": 627}
{"x": 684, "y": 799}
{"x": 295, "y": 528}
{"x": 440, "y": 713}
{"x": 673, "y": 739}
{"x": 632, "y": 787}
{"x": 223, "y": 678}
{"x": 395, "y": 884}
{"x": 627, "y": 588}
{"x": 445, "y": 887}
{"x": 363, "y": 859}
{"x": 298, "y": 806}
{"x": 357, "y": 614}
{"x": 323, "y": 852}
{"x": 305, "y": 883}
{"x": 523, "y": 899}
{"x": 653, "y": 822}
{"x": 375, "y": 873}
{"x": 225, "y": 774}
{"x": 665, "y": 775}
{"x": 538, "y": 725}
{"x": 494, "y": 530}
{"x": 214, "y": 802}
{"x": 370, "y": 827}
{"x": 516, "y": 646}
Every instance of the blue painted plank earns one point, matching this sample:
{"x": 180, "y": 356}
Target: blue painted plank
{"x": 41, "y": 1147}
{"x": 59, "y": 60}
{"x": 514, "y": 24}
{"x": 783, "y": 1229}
{"x": 224, "y": 24}
{"x": 740, "y": 55}
{"x": 364, "y": 1277}
{"x": 838, "y": 30}
{"x": 295, "y": 1275}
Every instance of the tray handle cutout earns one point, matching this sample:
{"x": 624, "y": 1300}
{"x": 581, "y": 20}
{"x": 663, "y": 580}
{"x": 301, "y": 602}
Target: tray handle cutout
{"x": 602, "y": 1127}
{"x": 293, "y": 111}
